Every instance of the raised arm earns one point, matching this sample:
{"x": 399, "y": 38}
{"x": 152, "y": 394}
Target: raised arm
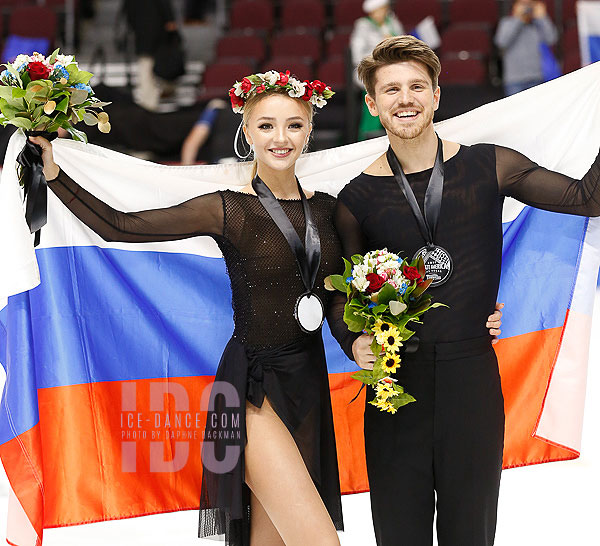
{"x": 521, "y": 178}
{"x": 353, "y": 242}
{"x": 201, "y": 215}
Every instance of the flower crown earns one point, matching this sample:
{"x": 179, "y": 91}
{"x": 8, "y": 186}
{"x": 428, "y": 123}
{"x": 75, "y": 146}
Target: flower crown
{"x": 315, "y": 92}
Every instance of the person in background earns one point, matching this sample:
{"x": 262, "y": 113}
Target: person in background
{"x": 200, "y": 132}
{"x": 378, "y": 24}
{"x": 521, "y": 37}
{"x": 150, "y": 21}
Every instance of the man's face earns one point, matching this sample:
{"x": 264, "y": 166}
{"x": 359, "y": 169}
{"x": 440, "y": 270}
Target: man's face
{"x": 404, "y": 99}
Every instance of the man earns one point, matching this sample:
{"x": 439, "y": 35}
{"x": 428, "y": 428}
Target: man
{"x": 522, "y": 36}
{"x": 445, "y": 450}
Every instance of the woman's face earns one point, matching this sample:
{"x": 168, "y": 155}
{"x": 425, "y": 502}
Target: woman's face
{"x": 278, "y": 127}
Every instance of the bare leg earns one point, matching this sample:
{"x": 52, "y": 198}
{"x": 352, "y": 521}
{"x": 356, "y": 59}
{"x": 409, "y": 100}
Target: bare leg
{"x": 277, "y": 475}
{"x": 262, "y": 530}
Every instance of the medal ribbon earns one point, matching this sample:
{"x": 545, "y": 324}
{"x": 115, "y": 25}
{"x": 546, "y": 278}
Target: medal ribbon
{"x": 308, "y": 256}
{"x": 433, "y": 195}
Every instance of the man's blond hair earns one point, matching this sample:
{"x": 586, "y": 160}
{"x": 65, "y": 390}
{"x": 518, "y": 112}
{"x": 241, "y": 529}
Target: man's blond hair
{"x": 394, "y": 50}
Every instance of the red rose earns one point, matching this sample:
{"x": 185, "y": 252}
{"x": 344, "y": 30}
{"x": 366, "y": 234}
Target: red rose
{"x": 283, "y": 78}
{"x": 411, "y": 273}
{"x": 38, "y": 71}
{"x": 246, "y": 85}
{"x": 319, "y": 86}
{"x": 375, "y": 282}
{"x": 260, "y": 88}
{"x": 308, "y": 91}
{"x": 235, "y": 100}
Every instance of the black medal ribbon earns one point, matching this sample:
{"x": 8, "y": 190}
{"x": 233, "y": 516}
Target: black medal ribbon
{"x": 308, "y": 255}
{"x": 433, "y": 203}
{"x": 34, "y": 183}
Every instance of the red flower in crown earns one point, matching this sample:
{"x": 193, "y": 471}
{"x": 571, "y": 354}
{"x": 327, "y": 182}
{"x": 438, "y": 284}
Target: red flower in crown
{"x": 283, "y": 78}
{"x": 246, "y": 85}
{"x": 260, "y": 88}
{"x": 235, "y": 100}
{"x": 308, "y": 91}
{"x": 319, "y": 86}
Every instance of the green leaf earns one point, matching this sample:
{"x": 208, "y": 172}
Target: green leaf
{"x": 402, "y": 400}
{"x": 23, "y": 123}
{"x": 77, "y": 135}
{"x": 347, "y": 268}
{"x": 78, "y": 96}
{"x": 84, "y": 77}
{"x": 63, "y": 105}
{"x": 375, "y": 347}
{"x": 18, "y": 93}
{"x": 355, "y": 324}
{"x": 52, "y": 58}
{"x": 337, "y": 282}
{"x": 364, "y": 376}
{"x": 378, "y": 309}
{"x": 14, "y": 72}
{"x": 357, "y": 259}
{"x": 386, "y": 294}
{"x": 89, "y": 119}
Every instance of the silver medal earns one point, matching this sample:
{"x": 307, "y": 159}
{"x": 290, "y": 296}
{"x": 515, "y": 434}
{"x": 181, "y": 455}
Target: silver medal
{"x": 309, "y": 312}
{"x": 438, "y": 263}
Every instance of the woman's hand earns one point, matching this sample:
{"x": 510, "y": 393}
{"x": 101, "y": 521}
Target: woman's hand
{"x": 51, "y": 169}
{"x": 361, "y": 349}
{"x": 494, "y": 322}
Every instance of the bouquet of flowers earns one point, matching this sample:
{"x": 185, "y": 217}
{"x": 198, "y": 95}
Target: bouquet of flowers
{"x": 45, "y": 94}
{"x": 384, "y": 295}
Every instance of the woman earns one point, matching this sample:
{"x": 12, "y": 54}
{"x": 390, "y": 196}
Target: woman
{"x": 275, "y": 359}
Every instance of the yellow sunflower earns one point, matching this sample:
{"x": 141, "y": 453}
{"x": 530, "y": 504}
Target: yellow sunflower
{"x": 381, "y": 329}
{"x": 384, "y": 391}
{"x": 392, "y": 341}
{"x": 391, "y": 362}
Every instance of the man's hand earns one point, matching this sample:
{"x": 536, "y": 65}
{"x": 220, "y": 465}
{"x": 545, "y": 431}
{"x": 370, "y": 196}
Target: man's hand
{"x": 361, "y": 349}
{"x": 539, "y": 10}
{"x": 494, "y": 322}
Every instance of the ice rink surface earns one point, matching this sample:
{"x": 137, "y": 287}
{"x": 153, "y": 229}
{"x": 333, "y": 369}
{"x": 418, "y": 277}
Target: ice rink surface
{"x": 551, "y": 504}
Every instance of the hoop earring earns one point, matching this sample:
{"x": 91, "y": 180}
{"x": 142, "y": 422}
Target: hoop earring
{"x": 237, "y": 138}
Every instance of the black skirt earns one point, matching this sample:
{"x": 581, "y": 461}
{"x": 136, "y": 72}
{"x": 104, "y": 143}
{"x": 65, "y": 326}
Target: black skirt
{"x": 295, "y": 380}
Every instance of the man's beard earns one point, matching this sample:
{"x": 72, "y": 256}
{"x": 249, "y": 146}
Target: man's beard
{"x": 406, "y": 133}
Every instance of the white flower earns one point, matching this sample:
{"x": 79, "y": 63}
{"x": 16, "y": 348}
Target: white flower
{"x": 297, "y": 89}
{"x": 238, "y": 109}
{"x": 238, "y": 88}
{"x": 65, "y": 60}
{"x": 361, "y": 283}
{"x": 320, "y": 102}
{"x": 271, "y": 77}
{"x": 20, "y": 60}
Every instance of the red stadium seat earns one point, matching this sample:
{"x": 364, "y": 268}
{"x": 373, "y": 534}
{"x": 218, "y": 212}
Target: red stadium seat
{"x": 333, "y": 73}
{"x": 346, "y": 12}
{"x": 572, "y": 61}
{"x": 456, "y": 71}
{"x": 297, "y": 67}
{"x": 571, "y": 40}
{"x": 473, "y": 41}
{"x": 240, "y": 46}
{"x": 412, "y": 13}
{"x": 337, "y": 43}
{"x": 568, "y": 11}
{"x": 474, "y": 11}
{"x": 220, "y": 76}
{"x": 303, "y": 13}
{"x": 33, "y": 22}
{"x": 255, "y": 14}
{"x": 303, "y": 45}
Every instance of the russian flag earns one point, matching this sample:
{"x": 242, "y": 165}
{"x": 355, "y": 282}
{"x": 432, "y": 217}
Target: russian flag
{"x": 109, "y": 347}
{"x": 588, "y": 23}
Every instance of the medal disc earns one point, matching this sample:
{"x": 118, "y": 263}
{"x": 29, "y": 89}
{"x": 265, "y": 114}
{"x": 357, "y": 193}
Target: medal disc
{"x": 438, "y": 264}
{"x": 309, "y": 312}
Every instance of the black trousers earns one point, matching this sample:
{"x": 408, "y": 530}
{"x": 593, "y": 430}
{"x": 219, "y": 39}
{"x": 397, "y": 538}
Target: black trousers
{"x": 443, "y": 451}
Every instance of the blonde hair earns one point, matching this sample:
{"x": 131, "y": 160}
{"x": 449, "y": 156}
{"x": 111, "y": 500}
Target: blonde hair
{"x": 394, "y": 50}
{"x": 253, "y": 100}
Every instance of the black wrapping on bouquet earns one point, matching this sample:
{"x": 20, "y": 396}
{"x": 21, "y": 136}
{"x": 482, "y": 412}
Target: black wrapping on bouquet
{"x": 34, "y": 183}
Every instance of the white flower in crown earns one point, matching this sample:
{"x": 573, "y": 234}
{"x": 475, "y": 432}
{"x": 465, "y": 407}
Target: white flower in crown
{"x": 271, "y": 77}
{"x": 319, "y": 102}
{"x": 298, "y": 88}
{"x": 238, "y": 89}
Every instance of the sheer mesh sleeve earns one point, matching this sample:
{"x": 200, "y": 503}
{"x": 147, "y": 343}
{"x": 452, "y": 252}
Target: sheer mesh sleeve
{"x": 521, "y": 178}
{"x": 201, "y": 215}
{"x": 353, "y": 242}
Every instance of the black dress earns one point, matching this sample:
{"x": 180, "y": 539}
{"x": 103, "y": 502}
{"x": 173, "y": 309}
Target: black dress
{"x": 445, "y": 450}
{"x": 267, "y": 355}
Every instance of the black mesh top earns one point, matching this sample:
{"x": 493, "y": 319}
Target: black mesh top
{"x": 264, "y": 276}
{"x": 372, "y": 213}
